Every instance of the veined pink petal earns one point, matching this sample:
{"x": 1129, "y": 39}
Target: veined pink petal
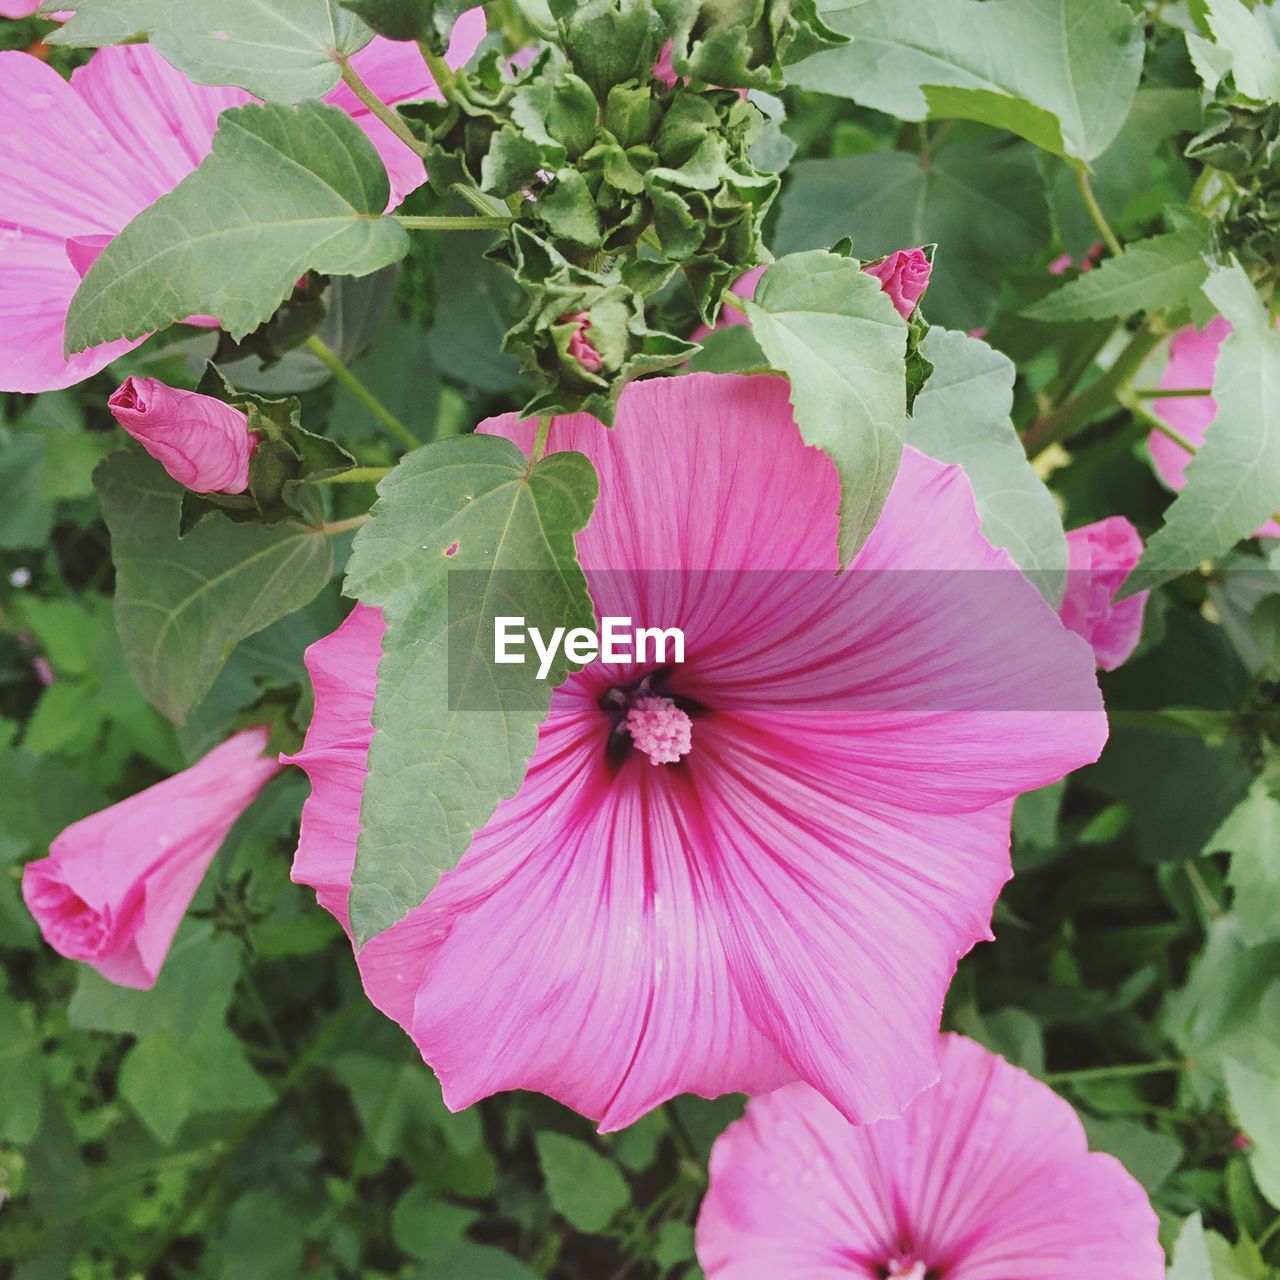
{"x": 1193, "y": 362}
{"x": 116, "y": 884}
{"x": 986, "y": 1177}
{"x": 788, "y": 896}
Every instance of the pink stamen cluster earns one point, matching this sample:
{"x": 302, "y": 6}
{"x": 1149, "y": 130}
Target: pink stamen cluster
{"x": 660, "y": 729}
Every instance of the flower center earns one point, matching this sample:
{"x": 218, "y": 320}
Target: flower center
{"x": 906, "y": 1269}
{"x": 660, "y": 729}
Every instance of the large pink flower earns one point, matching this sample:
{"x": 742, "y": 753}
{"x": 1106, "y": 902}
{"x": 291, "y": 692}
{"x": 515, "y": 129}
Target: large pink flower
{"x": 116, "y": 884}
{"x": 1193, "y": 361}
{"x": 1100, "y": 557}
{"x": 988, "y": 1176}
{"x": 82, "y": 159}
{"x": 757, "y": 866}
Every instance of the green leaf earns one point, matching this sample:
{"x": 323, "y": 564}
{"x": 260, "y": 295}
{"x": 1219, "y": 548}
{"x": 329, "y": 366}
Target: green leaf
{"x": 1255, "y": 1098}
{"x": 830, "y": 327}
{"x": 428, "y": 20}
{"x": 1251, "y": 834}
{"x": 1077, "y": 61}
{"x": 284, "y": 190}
{"x": 1233, "y": 482}
{"x": 1149, "y": 1155}
{"x": 1191, "y": 1253}
{"x": 480, "y": 1262}
{"x": 963, "y": 416}
{"x": 1150, "y": 275}
{"x": 21, "y": 1073}
{"x": 983, "y": 203}
{"x": 183, "y": 603}
{"x": 425, "y": 1227}
{"x": 583, "y": 1186}
{"x": 1247, "y": 45}
{"x": 464, "y": 530}
{"x": 26, "y": 514}
{"x": 284, "y": 51}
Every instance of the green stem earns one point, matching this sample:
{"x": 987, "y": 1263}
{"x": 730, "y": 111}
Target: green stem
{"x": 343, "y": 526}
{"x": 357, "y": 475}
{"x": 1266, "y": 1237}
{"x": 390, "y": 117}
{"x": 1077, "y": 413}
{"x": 441, "y": 72}
{"x": 1171, "y": 393}
{"x": 1213, "y": 908}
{"x": 318, "y": 348}
{"x": 1123, "y": 1071}
{"x": 1109, "y": 237}
{"x": 446, "y": 222}
{"x": 540, "y": 440}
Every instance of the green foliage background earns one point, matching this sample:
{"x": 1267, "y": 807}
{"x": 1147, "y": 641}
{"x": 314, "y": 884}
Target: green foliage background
{"x": 253, "y": 1115}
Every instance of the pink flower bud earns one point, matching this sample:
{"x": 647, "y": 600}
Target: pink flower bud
{"x": 904, "y": 276}
{"x": 1099, "y": 558}
{"x": 580, "y": 347}
{"x": 201, "y": 442}
{"x": 116, "y": 884}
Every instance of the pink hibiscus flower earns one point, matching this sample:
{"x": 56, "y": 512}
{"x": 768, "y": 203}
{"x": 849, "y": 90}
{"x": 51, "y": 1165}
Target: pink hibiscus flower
{"x": 762, "y": 864}
{"x": 82, "y": 159}
{"x": 988, "y": 1176}
{"x": 1100, "y": 557}
{"x": 1193, "y": 362}
{"x": 116, "y": 884}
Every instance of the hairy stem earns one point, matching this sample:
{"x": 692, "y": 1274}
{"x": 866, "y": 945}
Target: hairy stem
{"x": 388, "y": 115}
{"x": 1109, "y": 237}
{"x": 331, "y": 361}
{"x": 1122, "y": 1071}
{"x": 343, "y": 526}
{"x": 447, "y": 222}
{"x": 441, "y": 72}
{"x": 357, "y": 475}
{"x": 1171, "y": 393}
{"x": 540, "y": 440}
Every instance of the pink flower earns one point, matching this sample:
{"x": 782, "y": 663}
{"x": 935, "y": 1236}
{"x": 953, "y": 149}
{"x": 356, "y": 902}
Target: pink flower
{"x": 580, "y": 347}
{"x": 987, "y": 1177}
{"x": 116, "y": 884}
{"x": 763, "y": 864}
{"x": 1100, "y": 557}
{"x": 201, "y": 442}
{"x": 904, "y": 276}
{"x": 1065, "y": 262}
{"x": 82, "y": 159}
{"x": 1193, "y": 362}
{"x": 18, "y": 8}
{"x": 663, "y": 69}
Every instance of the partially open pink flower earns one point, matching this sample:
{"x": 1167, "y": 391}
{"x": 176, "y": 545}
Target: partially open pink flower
{"x": 904, "y": 276}
{"x": 663, "y": 69}
{"x": 776, "y": 882}
{"x": 201, "y": 442}
{"x": 1193, "y": 362}
{"x": 580, "y": 347}
{"x": 82, "y": 159}
{"x": 988, "y": 1176}
{"x": 1100, "y": 557}
{"x": 18, "y": 8}
{"x": 116, "y": 884}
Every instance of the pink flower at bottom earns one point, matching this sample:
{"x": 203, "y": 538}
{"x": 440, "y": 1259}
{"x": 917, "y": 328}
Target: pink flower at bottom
{"x": 81, "y": 159}
{"x": 116, "y": 884}
{"x": 200, "y": 441}
{"x": 1100, "y": 557}
{"x": 988, "y": 1176}
{"x": 1193, "y": 362}
{"x": 777, "y": 883}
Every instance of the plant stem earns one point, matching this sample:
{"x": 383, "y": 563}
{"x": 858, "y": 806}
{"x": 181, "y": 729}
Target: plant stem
{"x": 1171, "y": 393}
{"x": 388, "y": 115}
{"x": 1213, "y": 908}
{"x": 440, "y": 70}
{"x": 446, "y": 222}
{"x": 540, "y": 440}
{"x": 357, "y": 475}
{"x": 318, "y": 348}
{"x": 1122, "y": 1071}
{"x": 1109, "y": 237}
{"x": 1078, "y": 412}
{"x": 342, "y": 526}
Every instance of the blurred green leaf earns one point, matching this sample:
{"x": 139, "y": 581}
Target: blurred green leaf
{"x": 1255, "y": 1098}
{"x": 584, "y": 1187}
{"x": 1251, "y": 834}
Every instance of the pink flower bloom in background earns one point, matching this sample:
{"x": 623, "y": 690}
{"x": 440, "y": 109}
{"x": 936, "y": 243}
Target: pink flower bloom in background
{"x": 760, "y": 865}
{"x": 202, "y": 443}
{"x": 580, "y": 347}
{"x": 82, "y": 159}
{"x": 988, "y": 1176}
{"x": 1065, "y": 261}
{"x": 116, "y": 884}
{"x": 663, "y": 69}
{"x": 1193, "y": 361}
{"x": 1100, "y": 557}
{"x": 19, "y": 8}
{"x": 904, "y": 276}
